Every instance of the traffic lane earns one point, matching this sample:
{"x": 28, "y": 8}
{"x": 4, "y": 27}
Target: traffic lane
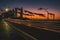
{"x": 40, "y": 34}
{"x": 23, "y": 34}
{"x": 36, "y": 25}
{"x": 14, "y": 35}
{"x": 9, "y": 33}
{"x": 2, "y": 33}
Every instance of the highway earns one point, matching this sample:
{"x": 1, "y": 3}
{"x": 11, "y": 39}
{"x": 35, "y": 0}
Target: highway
{"x": 10, "y": 30}
{"x": 46, "y": 25}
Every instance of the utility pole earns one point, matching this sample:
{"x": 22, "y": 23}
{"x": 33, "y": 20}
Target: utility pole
{"x": 53, "y": 16}
{"x": 21, "y": 12}
{"x": 15, "y": 12}
{"x": 46, "y": 11}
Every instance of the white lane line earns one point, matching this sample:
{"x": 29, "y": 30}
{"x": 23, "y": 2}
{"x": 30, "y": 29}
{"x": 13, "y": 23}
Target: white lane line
{"x": 45, "y": 28}
{"x": 28, "y": 35}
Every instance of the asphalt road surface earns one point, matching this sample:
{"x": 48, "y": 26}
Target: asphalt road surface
{"x": 14, "y": 31}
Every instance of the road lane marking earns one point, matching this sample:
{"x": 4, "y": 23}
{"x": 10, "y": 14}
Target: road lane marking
{"x": 24, "y": 32}
{"x": 45, "y": 28}
{"x": 6, "y": 28}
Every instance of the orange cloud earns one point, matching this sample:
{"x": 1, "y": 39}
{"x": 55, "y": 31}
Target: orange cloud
{"x": 57, "y": 14}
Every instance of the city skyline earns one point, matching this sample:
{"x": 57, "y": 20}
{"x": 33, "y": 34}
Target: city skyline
{"x": 52, "y": 5}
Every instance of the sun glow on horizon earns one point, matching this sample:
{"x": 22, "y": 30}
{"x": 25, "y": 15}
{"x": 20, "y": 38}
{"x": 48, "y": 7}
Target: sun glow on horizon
{"x": 57, "y": 14}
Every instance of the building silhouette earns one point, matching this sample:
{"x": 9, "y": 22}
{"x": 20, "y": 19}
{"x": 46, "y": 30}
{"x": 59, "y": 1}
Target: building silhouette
{"x": 21, "y": 12}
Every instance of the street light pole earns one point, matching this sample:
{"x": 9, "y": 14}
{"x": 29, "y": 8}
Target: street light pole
{"x": 53, "y": 16}
{"x": 46, "y": 11}
{"x": 47, "y": 14}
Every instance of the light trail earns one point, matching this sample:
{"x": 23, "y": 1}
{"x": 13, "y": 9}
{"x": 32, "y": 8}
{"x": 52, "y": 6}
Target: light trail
{"x": 36, "y": 25}
{"x": 28, "y": 36}
{"x": 6, "y": 28}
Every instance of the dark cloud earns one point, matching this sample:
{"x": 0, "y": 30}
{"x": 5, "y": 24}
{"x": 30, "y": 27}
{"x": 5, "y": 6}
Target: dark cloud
{"x": 31, "y": 3}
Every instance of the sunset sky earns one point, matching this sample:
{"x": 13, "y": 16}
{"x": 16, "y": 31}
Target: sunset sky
{"x": 33, "y": 5}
